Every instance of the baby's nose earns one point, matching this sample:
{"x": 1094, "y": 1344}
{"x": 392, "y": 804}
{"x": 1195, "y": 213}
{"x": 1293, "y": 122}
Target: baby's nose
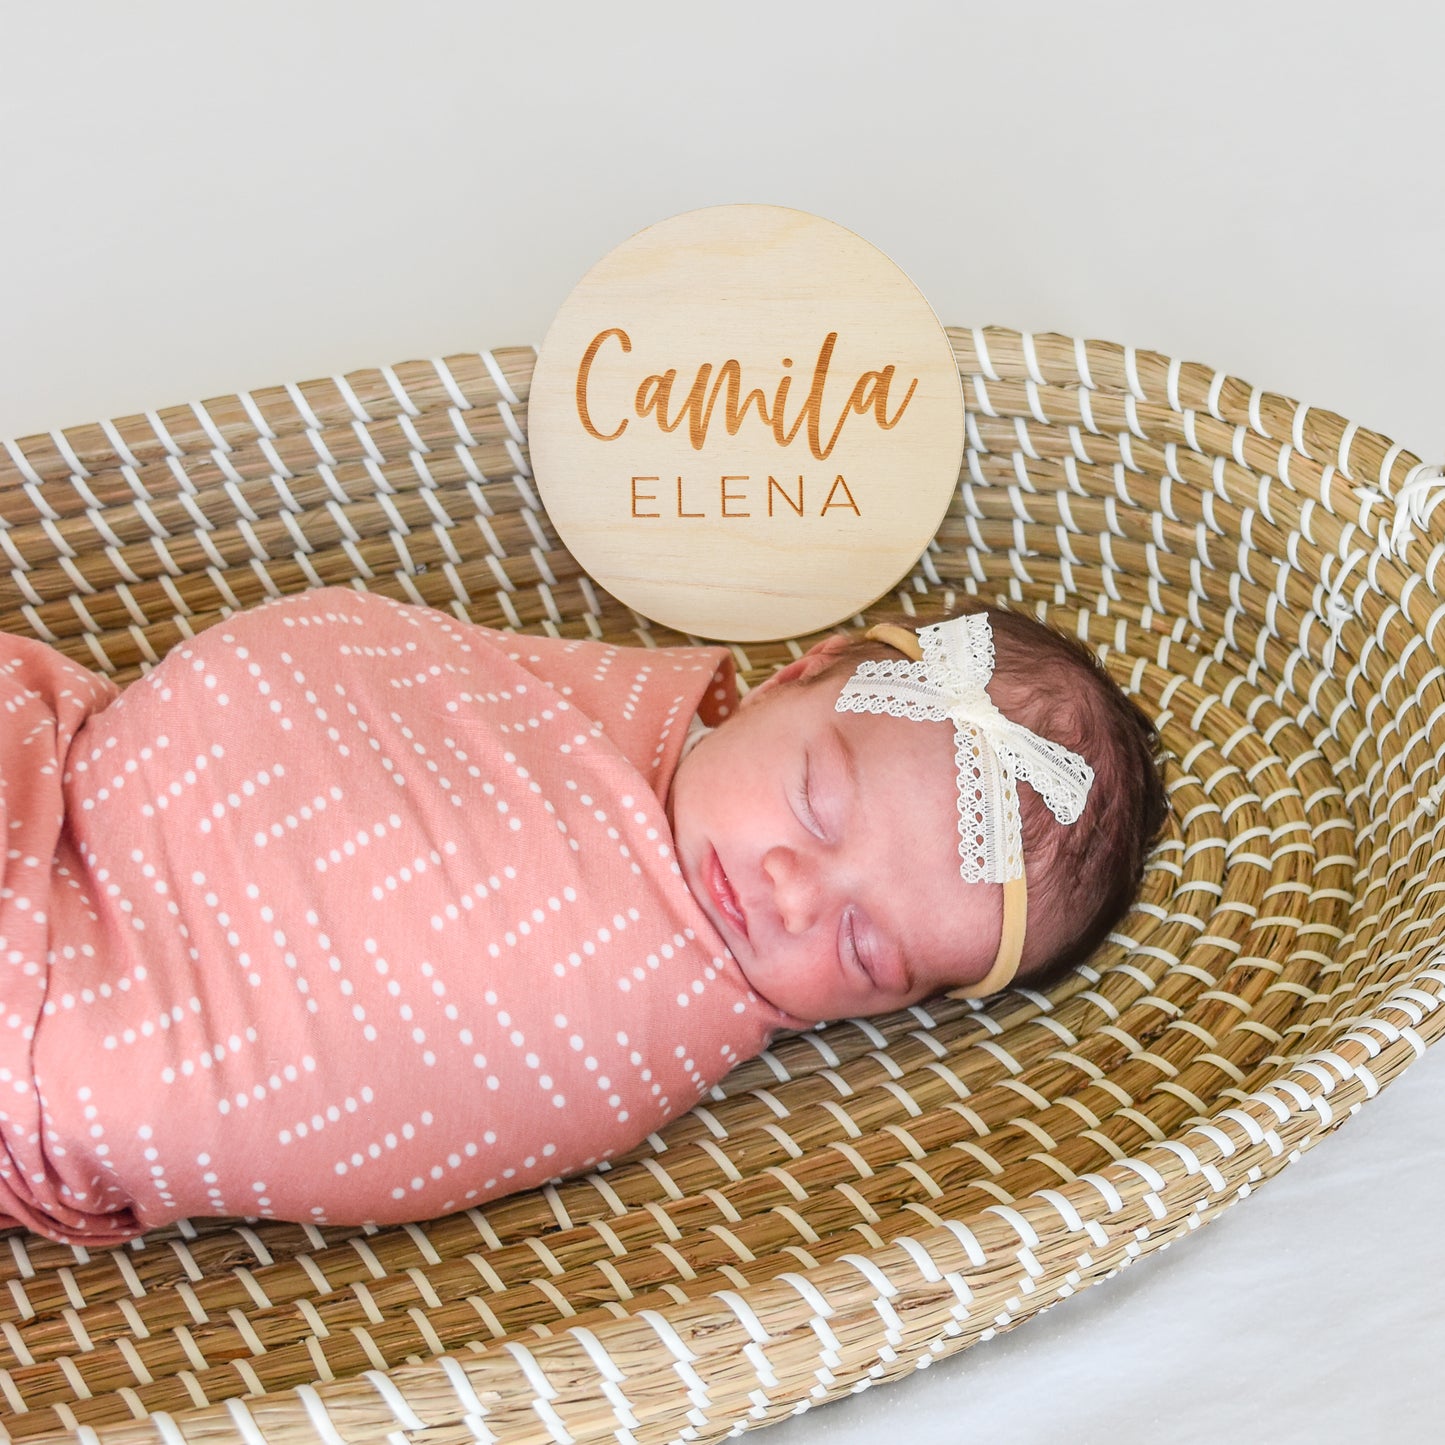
{"x": 796, "y": 892}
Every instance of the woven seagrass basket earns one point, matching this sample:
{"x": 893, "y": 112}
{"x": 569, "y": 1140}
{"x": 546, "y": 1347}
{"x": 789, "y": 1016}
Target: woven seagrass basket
{"x": 860, "y": 1200}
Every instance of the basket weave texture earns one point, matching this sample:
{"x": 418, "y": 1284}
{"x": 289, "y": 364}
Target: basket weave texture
{"x": 860, "y": 1200}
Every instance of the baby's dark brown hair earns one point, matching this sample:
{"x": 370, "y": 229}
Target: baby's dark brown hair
{"x": 1083, "y": 876}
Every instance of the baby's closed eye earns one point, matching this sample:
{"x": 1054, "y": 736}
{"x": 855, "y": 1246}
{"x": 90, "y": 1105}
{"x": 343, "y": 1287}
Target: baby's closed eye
{"x": 803, "y": 800}
{"x": 852, "y": 949}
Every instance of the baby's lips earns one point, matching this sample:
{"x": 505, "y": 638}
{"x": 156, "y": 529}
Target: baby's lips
{"x": 721, "y": 891}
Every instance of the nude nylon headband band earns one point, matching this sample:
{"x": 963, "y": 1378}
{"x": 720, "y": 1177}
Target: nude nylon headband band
{"x": 946, "y": 678}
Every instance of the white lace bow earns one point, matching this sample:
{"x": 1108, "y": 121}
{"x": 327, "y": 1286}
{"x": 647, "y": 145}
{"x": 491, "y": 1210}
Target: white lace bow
{"x": 950, "y": 683}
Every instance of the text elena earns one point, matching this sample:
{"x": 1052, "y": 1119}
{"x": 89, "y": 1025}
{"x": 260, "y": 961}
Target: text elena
{"x": 698, "y": 406}
{"x": 738, "y": 496}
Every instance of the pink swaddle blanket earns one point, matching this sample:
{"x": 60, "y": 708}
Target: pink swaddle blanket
{"x": 347, "y": 912}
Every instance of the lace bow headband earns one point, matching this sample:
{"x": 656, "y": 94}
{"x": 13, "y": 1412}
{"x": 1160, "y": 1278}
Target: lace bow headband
{"x": 946, "y": 680}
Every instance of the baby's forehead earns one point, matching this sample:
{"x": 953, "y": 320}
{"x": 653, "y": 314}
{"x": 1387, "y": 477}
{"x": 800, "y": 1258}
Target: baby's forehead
{"x": 915, "y": 758}
{"x": 909, "y": 758}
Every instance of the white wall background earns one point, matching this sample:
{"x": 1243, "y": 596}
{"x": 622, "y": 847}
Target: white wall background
{"x": 199, "y": 198}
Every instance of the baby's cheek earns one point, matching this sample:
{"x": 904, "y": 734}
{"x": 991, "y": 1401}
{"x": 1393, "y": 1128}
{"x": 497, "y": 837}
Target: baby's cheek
{"x": 700, "y": 799}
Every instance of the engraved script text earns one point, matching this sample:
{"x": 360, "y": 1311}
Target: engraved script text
{"x": 698, "y": 407}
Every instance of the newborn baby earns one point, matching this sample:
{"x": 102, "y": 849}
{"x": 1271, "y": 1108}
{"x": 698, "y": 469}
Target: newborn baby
{"x": 350, "y": 912}
{"x": 812, "y": 827}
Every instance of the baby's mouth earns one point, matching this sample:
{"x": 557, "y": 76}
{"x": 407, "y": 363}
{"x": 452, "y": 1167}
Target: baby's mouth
{"x": 723, "y": 895}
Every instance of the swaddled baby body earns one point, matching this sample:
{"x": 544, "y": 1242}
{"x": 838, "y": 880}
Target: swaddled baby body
{"x": 352, "y": 912}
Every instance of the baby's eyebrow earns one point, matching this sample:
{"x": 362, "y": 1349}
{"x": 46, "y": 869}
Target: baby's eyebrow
{"x": 845, "y": 751}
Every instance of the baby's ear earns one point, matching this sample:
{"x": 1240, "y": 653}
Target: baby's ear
{"x": 813, "y": 661}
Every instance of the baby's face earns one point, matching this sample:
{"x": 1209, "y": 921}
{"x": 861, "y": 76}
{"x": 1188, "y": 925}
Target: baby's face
{"x": 823, "y": 846}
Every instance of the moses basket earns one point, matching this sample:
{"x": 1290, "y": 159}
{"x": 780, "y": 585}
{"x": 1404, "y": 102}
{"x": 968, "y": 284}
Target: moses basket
{"x": 863, "y": 1199}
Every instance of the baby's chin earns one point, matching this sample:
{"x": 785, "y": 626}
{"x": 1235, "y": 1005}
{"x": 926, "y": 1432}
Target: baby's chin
{"x": 786, "y": 1020}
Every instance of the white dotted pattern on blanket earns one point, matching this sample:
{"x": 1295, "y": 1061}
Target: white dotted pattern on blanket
{"x": 361, "y": 914}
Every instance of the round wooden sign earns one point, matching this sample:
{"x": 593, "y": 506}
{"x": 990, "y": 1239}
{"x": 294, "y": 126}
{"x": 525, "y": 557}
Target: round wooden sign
{"x": 746, "y": 423}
